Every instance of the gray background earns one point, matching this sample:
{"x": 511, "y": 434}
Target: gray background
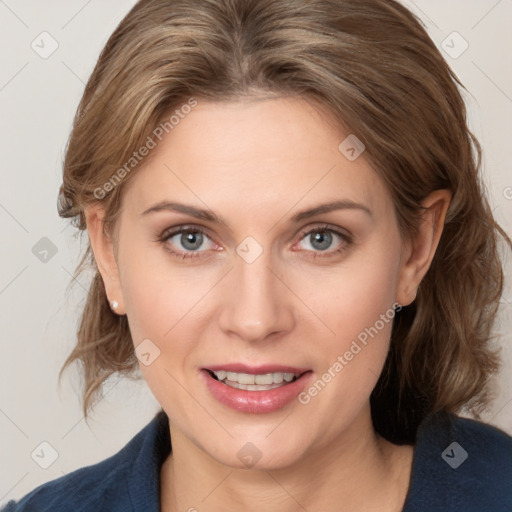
{"x": 38, "y": 97}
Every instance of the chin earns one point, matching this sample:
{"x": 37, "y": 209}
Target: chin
{"x": 260, "y": 451}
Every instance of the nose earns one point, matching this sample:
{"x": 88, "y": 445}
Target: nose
{"x": 257, "y": 305}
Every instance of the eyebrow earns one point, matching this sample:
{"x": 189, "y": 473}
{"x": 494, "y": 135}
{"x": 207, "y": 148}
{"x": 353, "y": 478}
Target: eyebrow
{"x": 208, "y": 215}
{"x": 345, "y": 204}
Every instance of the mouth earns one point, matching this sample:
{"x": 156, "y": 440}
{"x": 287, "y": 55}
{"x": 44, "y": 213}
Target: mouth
{"x": 260, "y": 389}
{"x": 254, "y": 382}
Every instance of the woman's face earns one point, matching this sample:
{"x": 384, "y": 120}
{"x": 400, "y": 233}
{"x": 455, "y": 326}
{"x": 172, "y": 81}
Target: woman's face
{"x": 290, "y": 262}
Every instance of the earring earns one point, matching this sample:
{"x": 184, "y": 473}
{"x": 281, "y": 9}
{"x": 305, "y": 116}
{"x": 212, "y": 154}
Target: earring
{"x": 115, "y": 304}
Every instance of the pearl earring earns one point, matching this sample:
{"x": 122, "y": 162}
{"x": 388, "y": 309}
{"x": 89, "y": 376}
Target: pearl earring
{"x": 115, "y": 304}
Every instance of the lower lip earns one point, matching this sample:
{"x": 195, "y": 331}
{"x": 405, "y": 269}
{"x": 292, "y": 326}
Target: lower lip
{"x": 255, "y": 401}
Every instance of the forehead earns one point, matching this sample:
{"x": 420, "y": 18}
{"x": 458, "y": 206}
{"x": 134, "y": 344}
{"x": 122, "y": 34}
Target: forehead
{"x": 257, "y": 155}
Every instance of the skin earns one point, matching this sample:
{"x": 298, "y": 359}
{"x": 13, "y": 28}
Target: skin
{"x": 257, "y": 163}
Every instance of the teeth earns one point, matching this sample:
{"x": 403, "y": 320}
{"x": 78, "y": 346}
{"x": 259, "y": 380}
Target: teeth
{"x": 247, "y": 379}
{"x": 221, "y": 375}
{"x": 232, "y": 376}
{"x": 267, "y": 378}
{"x": 278, "y": 377}
{"x": 250, "y": 387}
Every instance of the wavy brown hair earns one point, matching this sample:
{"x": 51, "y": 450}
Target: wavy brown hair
{"x": 373, "y": 65}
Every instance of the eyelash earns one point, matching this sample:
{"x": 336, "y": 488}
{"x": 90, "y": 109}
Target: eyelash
{"x": 345, "y": 238}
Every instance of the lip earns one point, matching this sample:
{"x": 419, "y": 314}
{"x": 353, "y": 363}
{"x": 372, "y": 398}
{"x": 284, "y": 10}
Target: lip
{"x": 255, "y": 370}
{"x": 255, "y": 402}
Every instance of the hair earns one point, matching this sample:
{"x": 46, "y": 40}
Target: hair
{"x": 372, "y": 64}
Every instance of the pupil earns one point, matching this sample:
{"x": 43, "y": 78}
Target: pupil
{"x": 321, "y": 240}
{"x": 192, "y": 240}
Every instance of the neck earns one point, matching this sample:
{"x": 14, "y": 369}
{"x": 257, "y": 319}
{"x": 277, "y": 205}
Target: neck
{"x": 357, "y": 471}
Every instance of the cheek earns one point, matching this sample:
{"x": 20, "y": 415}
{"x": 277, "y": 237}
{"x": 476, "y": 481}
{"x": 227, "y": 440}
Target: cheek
{"x": 356, "y": 303}
{"x": 161, "y": 307}
{"x": 367, "y": 292}
{"x": 353, "y": 295}
{"x": 168, "y": 305}
{"x": 158, "y": 293}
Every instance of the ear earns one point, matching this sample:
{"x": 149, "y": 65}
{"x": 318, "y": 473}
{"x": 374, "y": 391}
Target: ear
{"x": 418, "y": 252}
{"x": 103, "y": 248}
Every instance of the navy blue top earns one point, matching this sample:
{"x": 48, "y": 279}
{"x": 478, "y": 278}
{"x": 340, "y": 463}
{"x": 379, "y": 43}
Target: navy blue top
{"x": 458, "y": 465}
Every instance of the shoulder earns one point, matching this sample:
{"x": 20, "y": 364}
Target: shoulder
{"x": 106, "y": 485}
{"x": 460, "y": 464}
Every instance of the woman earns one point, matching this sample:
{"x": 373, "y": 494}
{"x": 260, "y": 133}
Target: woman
{"x": 292, "y": 243}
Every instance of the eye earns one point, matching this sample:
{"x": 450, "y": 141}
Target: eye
{"x": 188, "y": 240}
{"x": 324, "y": 239}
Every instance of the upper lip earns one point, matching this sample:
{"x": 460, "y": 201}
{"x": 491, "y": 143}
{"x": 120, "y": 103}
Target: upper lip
{"x": 256, "y": 370}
